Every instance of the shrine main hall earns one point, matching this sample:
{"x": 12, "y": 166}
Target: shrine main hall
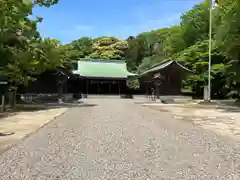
{"x": 97, "y": 76}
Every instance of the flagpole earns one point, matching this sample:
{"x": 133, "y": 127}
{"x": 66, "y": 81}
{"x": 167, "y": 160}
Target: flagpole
{"x": 210, "y": 50}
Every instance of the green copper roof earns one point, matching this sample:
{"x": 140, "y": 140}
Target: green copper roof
{"x": 102, "y": 69}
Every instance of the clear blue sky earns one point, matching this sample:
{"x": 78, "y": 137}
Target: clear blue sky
{"x": 72, "y": 19}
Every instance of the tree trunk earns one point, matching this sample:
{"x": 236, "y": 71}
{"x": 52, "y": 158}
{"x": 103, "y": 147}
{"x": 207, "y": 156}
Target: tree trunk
{"x": 14, "y": 98}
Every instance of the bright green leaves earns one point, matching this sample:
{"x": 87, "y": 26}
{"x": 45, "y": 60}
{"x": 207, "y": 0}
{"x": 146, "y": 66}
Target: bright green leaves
{"x": 99, "y": 48}
{"x": 27, "y": 2}
{"x": 108, "y": 48}
{"x": 133, "y": 83}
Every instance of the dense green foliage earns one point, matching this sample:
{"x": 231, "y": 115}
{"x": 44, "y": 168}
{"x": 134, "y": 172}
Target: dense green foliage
{"x": 24, "y": 53}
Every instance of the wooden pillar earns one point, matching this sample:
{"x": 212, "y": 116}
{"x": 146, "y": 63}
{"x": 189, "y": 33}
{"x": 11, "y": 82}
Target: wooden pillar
{"x": 109, "y": 88}
{"x": 98, "y": 89}
{"x": 169, "y": 90}
{"x": 80, "y": 83}
{"x": 119, "y": 89}
{"x": 146, "y": 89}
{"x": 102, "y": 85}
{"x": 157, "y": 90}
{"x": 65, "y": 86}
{"x": 3, "y": 103}
{"x": 87, "y": 86}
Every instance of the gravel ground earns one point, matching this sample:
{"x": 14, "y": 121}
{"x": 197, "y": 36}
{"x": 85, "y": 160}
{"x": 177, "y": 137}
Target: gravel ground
{"x": 121, "y": 140}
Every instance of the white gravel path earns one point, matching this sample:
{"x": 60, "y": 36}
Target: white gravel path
{"x": 119, "y": 140}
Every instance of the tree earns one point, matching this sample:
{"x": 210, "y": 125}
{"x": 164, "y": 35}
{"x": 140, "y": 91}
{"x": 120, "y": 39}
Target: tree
{"x": 83, "y": 47}
{"x": 173, "y": 42}
{"x": 195, "y": 23}
{"x": 228, "y": 38}
{"x": 16, "y": 33}
{"x": 23, "y": 53}
{"x": 196, "y": 58}
{"x": 108, "y": 48}
{"x": 134, "y": 54}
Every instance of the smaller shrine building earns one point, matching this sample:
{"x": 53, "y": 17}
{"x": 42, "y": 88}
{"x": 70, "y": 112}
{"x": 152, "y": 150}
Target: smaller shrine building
{"x": 166, "y": 78}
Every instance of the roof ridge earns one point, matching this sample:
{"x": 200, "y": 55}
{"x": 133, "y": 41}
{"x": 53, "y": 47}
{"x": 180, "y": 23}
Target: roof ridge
{"x": 103, "y": 60}
{"x": 103, "y": 68}
{"x": 163, "y": 65}
{"x": 160, "y": 63}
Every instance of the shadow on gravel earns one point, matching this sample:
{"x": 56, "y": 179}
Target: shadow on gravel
{"x": 232, "y": 106}
{"x": 147, "y": 102}
{"x": 46, "y": 106}
{"x": 42, "y": 102}
{"x": 229, "y": 109}
{"x": 68, "y": 105}
{"x": 3, "y": 134}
